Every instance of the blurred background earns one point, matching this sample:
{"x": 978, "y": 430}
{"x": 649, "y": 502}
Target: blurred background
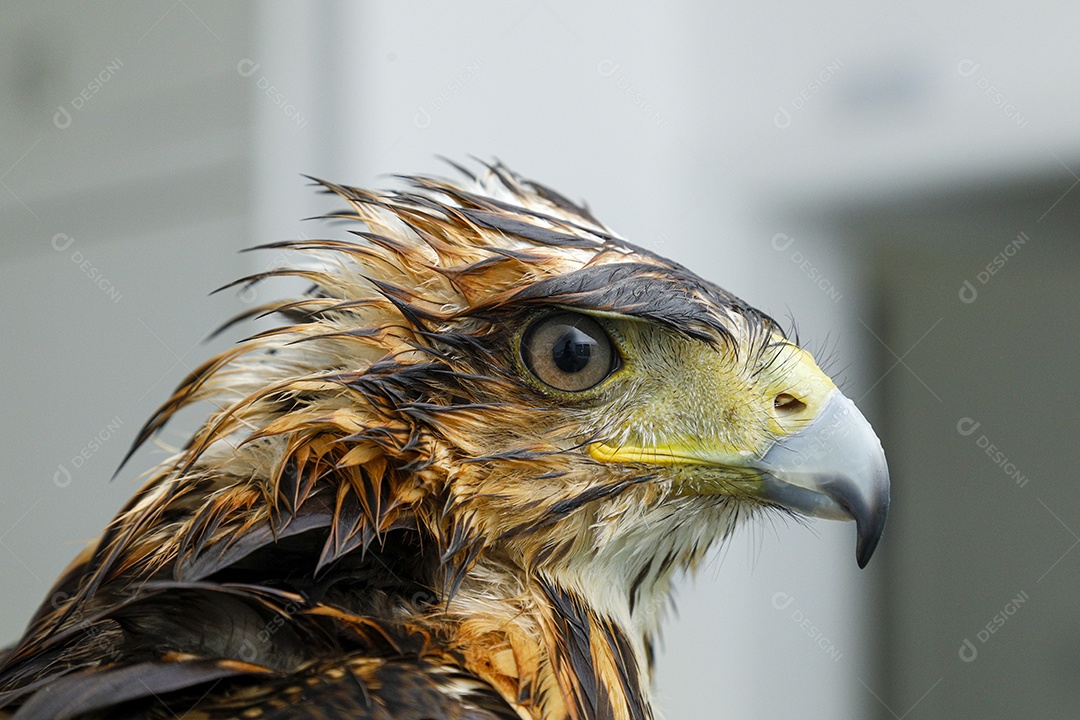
{"x": 897, "y": 178}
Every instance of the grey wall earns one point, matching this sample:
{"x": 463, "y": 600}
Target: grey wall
{"x": 981, "y": 608}
{"x": 796, "y": 155}
{"x": 124, "y": 198}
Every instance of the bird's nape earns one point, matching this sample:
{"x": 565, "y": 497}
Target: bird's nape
{"x": 458, "y": 478}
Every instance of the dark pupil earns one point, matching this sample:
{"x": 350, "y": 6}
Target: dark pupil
{"x": 572, "y": 351}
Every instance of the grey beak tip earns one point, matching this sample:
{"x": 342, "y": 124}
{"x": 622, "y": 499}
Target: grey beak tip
{"x": 870, "y": 529}
{"x": 864, "y": 549}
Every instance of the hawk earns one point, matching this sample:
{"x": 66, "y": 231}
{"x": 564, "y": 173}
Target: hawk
{"x": 454, "y": 483}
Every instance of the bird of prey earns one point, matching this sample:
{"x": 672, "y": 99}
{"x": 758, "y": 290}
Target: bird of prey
{"x": 455, "y": 482}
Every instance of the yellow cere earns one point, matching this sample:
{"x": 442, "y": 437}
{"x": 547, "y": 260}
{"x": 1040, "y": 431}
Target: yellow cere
{"x": 793, "y": 389}
{"x": 795, "y": 373}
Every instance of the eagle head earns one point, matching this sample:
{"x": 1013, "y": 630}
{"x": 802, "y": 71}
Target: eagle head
{"x": 493, "y": 421}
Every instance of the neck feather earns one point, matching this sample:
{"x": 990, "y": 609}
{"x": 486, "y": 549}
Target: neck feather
{"x": 574, "y": 639}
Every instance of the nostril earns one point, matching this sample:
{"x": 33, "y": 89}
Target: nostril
{"x": 788, "y": 404}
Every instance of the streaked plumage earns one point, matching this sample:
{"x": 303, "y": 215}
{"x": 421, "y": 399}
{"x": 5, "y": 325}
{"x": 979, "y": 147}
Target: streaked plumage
{"x": 393, "y": 511}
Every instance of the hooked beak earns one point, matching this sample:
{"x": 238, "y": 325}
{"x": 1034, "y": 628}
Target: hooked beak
{"x": 833, "y": 467}
{"x": 819, "y": 456}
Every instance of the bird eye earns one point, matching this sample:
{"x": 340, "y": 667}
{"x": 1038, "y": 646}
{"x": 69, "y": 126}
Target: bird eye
{"x": 568, "y": 352}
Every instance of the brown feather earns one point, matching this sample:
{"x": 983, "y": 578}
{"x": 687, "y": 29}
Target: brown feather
{"x": 380, "y": 518}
